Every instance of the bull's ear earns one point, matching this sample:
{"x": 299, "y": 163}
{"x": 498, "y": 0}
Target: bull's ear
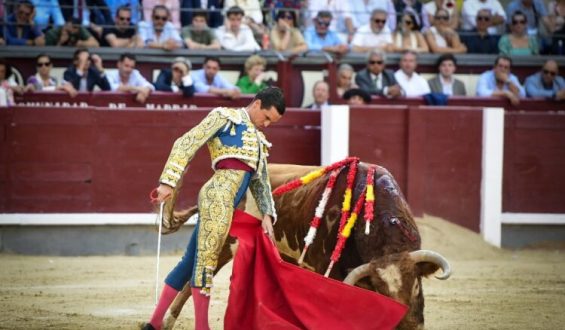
{"x": 425, "y": 268}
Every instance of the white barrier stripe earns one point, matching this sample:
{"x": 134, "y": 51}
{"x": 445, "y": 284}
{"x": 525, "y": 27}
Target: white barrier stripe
{"x": 533, "y": 218}
{"x": 76, "y": 219}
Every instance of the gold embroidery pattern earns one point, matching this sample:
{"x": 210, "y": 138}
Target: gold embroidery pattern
{"x": 248, "y": 152}
{"x": 215, "y": 204}
{"x": 186, "y": 146}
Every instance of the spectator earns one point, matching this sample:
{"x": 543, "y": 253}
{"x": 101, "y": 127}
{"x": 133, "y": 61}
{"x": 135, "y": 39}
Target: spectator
{"x": 374, "y": 35}
{"x": 123, "y": 33}
{"x": 471, "y": 9}
{"x": 321, "y": 93}
{"x": 134, "y": 6}
{"x": 357, "y": 96}
{"x": 254, "y": 80}
{"x": 253, "y": 15}
{"x": 82, "y": 76}
{"x": 401, "y": 5}
{"x": 177, "y": 78}
{"x": 71, "y": 34}
{"x": 172, "y": 6}
{"x": 342, "y": 23}
{"x": 518, "y": 41}
{"x": 42, "y": 80}
{"x": 198, "y": 35}
{"x": 208, "y": 80}
{"x": 212, "y": 7}
{"x": 320, "y": 37}
{"x": 47, "y": 12}
{"x": 408, "y": 35}
{"x": 128, "y": 79}
{"x": 375, "y": 79}
{"x": 8, "y": 84}
{"x": 547, "y": 83}
{"x": 445, "y": 82}
{"x": 478, "y": 40}
{"x": 20, "y": 28}
{"x": 285, "y": 36}
{"x": 430, "y": 11}
{"x": 362, "y": 10}
{"x": 160, "y": 33}
{"x": 234, "y": 35}
{"x": 443, "y": 39}
{"x": 500, "y": 82}
{"x": 534, "y": 11}
{"x": 412, "y": 83}
{"x": 344, "y": 79}
{"x": 556, "y": 10}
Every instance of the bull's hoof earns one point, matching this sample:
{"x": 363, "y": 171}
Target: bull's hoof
{"x": 147, "y": 326}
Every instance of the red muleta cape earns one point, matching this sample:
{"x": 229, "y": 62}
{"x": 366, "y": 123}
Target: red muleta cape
{"x": 269, "y": 293}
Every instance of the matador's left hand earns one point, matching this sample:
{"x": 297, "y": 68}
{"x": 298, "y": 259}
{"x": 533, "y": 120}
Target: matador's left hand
{"x": 267, "y": 225}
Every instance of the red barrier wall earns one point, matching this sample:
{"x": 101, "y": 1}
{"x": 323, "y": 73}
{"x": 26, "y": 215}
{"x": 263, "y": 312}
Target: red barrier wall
{"x": 88, "y": 160}
{"x": 94, "y": 160}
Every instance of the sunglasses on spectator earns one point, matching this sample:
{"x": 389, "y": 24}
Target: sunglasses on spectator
{"x": 379, "y": 21}
{"x": 176, "y": 68}
{"x": 323, "y": 23}
{"x": 551, "y": 73}
{"x": 160, "y": 18}
{"x": 287, "y": 16}
{"x": 442, "y": 18}
{"x": 376, "y": 62}
{"x": 408, "y": 22}
{"x": 518, "y": 21}
{"x": 40, "y": 64}
{"x": 126, "y": 19}
{"x": 483, "y": 18}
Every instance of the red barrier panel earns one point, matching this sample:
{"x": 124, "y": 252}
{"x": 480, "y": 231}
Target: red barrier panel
{"x": 534, "y": 163}
{"x": 92, "y": 160}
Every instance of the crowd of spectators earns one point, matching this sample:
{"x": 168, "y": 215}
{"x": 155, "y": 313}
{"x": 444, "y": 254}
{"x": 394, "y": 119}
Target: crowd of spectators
{"x": 373, "y": 27}
{"x": 437, "y": 26}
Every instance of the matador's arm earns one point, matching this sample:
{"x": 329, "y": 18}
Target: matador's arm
{"x": 186, "y": 146}
{"x": 260, "y": 187}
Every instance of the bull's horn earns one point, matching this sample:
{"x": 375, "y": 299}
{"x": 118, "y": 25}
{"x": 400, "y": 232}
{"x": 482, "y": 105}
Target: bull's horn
{"x": 358, "y": 273}
{"x": 433, "y": 257}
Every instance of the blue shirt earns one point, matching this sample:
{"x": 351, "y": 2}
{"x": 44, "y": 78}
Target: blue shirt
{"x": 45, "y": 9}
{"x": 487, "y": 84}
{"x": 535, "y": 87}
{"x": 28, "y": 32}
{"x": 201, "y": 84}
{"x": 147, "y": 33}
{"x": 315, "y": 42}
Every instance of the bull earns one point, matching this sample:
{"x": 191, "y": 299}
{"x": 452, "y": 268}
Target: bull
{"x": 388, "y": 260}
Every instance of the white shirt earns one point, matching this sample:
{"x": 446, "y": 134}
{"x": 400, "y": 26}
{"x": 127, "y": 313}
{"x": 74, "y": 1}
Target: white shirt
{"x": 243, "y": 41}
{"x": 447, "y": 86}
{"x": 472, "y": 7}
{"x": 365, "y": 37}
{"x": 412, "y": 86}
{"x": 135, "y": 80}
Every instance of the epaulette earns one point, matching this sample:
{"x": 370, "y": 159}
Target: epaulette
{"x": 232, "y": 114}
{"x": 264, "y": 140}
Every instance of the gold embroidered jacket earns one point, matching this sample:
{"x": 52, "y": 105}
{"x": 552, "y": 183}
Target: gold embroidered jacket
{"x": 229, "y": 133}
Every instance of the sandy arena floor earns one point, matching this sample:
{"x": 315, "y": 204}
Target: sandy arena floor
{"x": 489, "y": 289}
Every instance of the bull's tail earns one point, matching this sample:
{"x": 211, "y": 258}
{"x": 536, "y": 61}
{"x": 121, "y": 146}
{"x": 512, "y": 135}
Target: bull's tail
{"x": 173, "y": 220}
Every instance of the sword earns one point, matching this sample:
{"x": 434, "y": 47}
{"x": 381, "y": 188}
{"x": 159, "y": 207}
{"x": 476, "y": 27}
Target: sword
{"x": 160, "y": 219}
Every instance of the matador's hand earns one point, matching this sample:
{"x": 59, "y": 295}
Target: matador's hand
{"x": 267, "y": 225}
{"x": 164, "y": 192}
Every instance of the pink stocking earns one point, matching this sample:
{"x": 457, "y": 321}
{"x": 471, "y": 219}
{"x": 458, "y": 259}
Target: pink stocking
{"x": 201, "y": 303}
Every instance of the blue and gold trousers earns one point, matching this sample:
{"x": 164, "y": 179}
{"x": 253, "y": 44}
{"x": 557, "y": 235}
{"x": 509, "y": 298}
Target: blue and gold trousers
{"x": 216, "y": 202}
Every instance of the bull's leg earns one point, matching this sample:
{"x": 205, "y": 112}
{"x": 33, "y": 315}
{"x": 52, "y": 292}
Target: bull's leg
{"x": 226, "y": 255}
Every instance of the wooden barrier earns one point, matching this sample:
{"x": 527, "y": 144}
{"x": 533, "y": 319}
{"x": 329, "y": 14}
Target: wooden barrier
{"x": 86, "y": 159}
